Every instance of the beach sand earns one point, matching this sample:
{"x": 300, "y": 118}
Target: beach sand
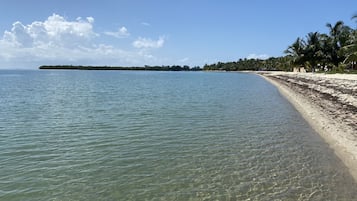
{"x": 329, "y": 104}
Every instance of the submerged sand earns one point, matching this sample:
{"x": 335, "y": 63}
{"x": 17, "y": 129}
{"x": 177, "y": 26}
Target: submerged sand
{"x": 329, "y": 104}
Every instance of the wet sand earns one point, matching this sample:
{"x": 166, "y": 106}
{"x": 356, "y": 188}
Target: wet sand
{"x": 329, "y": 104}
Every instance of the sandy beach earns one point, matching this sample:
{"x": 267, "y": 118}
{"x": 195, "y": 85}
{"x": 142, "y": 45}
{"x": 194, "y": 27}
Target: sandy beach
{"x": 329, "y": 104}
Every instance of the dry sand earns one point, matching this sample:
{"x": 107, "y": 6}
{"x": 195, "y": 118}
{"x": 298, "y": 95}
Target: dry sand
{"x": 329, "y": 104}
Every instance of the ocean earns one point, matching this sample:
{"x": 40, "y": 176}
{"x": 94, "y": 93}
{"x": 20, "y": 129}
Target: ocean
{"x": 142, "y": 135}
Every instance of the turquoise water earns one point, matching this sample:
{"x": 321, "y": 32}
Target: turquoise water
{"x": 125, "y": 135}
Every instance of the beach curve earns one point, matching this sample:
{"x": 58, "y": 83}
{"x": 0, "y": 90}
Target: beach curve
{"x": 329, "y": 104}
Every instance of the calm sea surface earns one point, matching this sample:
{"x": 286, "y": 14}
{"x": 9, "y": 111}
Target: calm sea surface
{"x": 125, "y": 135}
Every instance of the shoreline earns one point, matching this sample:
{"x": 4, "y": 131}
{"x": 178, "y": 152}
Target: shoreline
{"x": 120, "y": 68}
{"x": 329, "y": 104}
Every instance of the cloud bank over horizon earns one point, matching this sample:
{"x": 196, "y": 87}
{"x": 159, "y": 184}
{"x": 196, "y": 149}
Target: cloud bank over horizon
{"x": 58, "y": 40}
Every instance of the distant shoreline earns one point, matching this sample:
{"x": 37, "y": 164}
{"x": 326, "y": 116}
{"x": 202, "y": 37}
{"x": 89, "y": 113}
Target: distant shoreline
{"x": 145, "y": 68}
{"x": 328, "y": 104}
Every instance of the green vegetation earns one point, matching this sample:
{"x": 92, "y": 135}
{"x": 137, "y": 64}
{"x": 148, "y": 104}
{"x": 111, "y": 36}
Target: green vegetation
{"x": 335, "y": 51}
{"x": 147, "y": 68}
{"x": 273, "y": 63}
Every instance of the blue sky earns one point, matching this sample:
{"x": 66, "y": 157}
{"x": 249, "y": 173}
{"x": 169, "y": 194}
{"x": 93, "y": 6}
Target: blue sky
{"x": 157, "y": 32}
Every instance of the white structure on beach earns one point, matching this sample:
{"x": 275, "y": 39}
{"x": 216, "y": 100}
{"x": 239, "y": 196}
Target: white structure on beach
{"x": 299, "y": 69}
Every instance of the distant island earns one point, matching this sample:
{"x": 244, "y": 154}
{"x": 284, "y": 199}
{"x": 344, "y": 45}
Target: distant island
{"x": 145, "y": 68}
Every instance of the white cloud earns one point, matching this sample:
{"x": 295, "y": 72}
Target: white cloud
{"x": 183, "y": 60}
{"x": 56, "y": 31}
{"x": 58, "y": 40}
{"x": 90, "y": 20}
{"x": 148, "y": 43}
{"x": 146, "y": 24}
{"x": 121, "y": 33}
{"x": 257, "y": 56}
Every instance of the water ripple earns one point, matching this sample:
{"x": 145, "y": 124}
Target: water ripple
{"x": 159, "y": 136}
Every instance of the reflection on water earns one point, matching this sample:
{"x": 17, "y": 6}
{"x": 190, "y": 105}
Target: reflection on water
{"x": 122, "y": 135}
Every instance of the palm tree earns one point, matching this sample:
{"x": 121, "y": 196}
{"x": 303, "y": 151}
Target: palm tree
{"x": 336, "y": 29}
{"x": 350, "y": 50}
{"x": 354, "y": 17}
{"x": 313, "y": 51}
{"x": 351, "y": 56}
{"x": 339, "y": 37}
{"x": 297, "y": 51}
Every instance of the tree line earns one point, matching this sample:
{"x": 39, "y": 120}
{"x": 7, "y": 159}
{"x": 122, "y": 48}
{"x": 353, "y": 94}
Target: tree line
{"x": 144, "y": 68}
{"x": 332, "y": 51}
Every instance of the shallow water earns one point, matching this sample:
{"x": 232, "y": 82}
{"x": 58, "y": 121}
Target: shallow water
{"x": 125, "y": 135}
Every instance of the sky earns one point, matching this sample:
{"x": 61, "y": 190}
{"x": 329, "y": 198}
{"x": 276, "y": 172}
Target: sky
{"x": 157, "y": 32}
